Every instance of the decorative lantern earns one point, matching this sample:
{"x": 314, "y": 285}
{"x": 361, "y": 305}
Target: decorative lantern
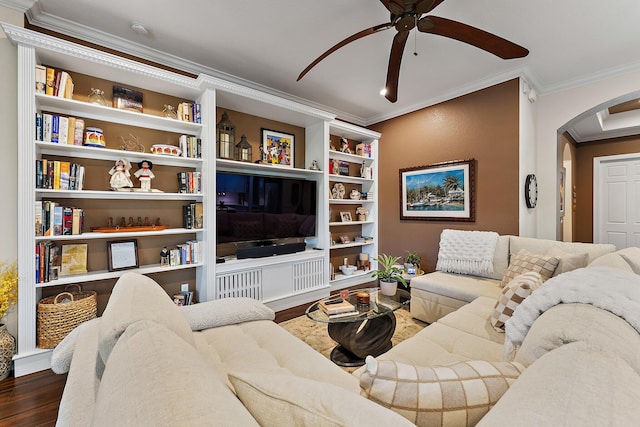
{"x": 226, "y": 140}
{"x": 243, "y": 150}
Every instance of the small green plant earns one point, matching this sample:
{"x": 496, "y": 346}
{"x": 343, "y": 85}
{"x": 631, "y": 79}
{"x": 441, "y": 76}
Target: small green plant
{"x": 388, "y": 270}
{"x": 413, "y": 258}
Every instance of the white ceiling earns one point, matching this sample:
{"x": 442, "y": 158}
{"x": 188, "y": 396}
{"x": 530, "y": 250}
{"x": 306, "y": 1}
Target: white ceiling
{"x": 268, "y": 43}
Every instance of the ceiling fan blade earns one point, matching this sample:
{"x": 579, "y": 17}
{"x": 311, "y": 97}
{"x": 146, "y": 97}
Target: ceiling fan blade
{"x": 395, "y": 59}
{"x": 426, "y": 6}
{"x": 471, "y": 35}
{"x": 396, "y": 7}
{"x": 344, "y": 42}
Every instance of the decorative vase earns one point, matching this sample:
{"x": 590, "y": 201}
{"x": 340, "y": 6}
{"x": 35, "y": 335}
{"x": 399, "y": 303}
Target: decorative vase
{"x": 7, "y": 349}
{"x": 388, "y": 288}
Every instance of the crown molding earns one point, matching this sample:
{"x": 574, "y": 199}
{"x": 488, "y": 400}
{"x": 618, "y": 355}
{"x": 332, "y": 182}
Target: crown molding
{"x": 37, "y": 17}
{"x": 19, "y": 5}
{"x": 457, "y": 92}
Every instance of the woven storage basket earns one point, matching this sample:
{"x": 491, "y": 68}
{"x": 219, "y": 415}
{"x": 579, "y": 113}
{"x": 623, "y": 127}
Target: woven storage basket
{"x": 58, "y": 315}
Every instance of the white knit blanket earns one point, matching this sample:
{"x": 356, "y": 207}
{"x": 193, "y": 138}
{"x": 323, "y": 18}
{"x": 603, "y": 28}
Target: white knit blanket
{"x": 467, "y": 252}
{"x": 610, "y": 289}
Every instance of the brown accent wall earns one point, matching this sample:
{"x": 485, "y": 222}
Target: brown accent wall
{"x": 482, "y": 125}
{"x": 585, "y": 153}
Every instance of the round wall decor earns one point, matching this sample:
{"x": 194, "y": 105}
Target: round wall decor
{"x": 531, "y": 191}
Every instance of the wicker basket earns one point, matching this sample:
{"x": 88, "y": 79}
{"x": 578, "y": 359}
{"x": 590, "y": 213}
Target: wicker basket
{"x": 58, "y": 315}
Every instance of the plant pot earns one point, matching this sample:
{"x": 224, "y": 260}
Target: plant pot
{"x": 388, "y": 288}
{"x": 7, "y": 349}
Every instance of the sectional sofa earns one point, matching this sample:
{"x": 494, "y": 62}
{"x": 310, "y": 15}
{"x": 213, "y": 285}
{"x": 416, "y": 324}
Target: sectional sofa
{"x": 225, "y": 362}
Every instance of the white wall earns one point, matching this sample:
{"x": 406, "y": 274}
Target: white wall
{"x": 9, "y": 149}
{"x": 527, "y": 154}
{"x": 553, "y": 111}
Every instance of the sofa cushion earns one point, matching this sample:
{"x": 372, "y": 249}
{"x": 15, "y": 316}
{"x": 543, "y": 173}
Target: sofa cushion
{"x": 541, "y": 246}
{"x": 614, "y": 260}
{"x": 632, "y": 256}
{"x": 467, "y": 252}
{"x": 455, "y": 395}
{"x": 458, "y": 286}
{"x": 512, "y": 296}
{"x": 137, "y": 297}
{"x": 265, "y": 347}
{"x": 225, "y": 311}
{"x": 155, "y": 378}
{"x": 574, "y": 385}
{"x": 285, "y": 400}
{"x": 500, "y": 258}
{"x": 525, "y": 261}
{"x": 568, "y": 261}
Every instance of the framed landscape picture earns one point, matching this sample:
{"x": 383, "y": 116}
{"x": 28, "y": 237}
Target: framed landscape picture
{"x": 277, "y": 148}
{"x": 441, "y": 191}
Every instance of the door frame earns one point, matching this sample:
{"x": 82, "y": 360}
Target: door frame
{"x": 597, "y": 164}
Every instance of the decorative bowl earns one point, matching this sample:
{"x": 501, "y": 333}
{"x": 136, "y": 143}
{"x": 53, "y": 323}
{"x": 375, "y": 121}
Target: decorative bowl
{"x": 348, "y": 270}
{"x": 166, "y": 149}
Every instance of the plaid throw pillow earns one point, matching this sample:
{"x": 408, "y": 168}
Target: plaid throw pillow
{"x": 512, "y": 296}
{"x": 455, "y": 395}
{"x": 525, "y": 261}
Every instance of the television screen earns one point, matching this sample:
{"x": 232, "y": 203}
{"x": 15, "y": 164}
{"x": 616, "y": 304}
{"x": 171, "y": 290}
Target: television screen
{"x": 263, "y": 209}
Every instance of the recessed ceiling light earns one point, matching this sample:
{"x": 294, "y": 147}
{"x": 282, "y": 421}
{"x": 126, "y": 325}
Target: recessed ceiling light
{"x": 383, "y": 91}
{"x": 139, "y": 29}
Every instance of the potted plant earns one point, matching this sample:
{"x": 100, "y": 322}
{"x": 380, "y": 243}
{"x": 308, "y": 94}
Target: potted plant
{"x": 8, "y": 297}
{"x": 389, "y": 274}
{"x": 412, "y": 261}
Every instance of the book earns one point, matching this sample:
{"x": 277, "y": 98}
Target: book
{"x": 67, "y": 221}
{"x": 77, "y": 217}
{"x": 38, "y": 217}
{"x": 41, "y": 79}
{"x": 56, "y": 175}
{"x": 63, "y": 130}
{"x": 57, "y": 221}
{"x": 51, "y": 80}
{"x": 198, "y": 216}
{"x": 73, "y": 259}
{"x": 78, "y": 135}
{"x": 342, "y": 307}
{"x": 55, "y": 128}
{"x": 71, "y": 130}
{"x": 65, "y": 171}
{"x": 38, "y": 126}
{"x": 127, "y": 99}
{"x": 47, "y": 122}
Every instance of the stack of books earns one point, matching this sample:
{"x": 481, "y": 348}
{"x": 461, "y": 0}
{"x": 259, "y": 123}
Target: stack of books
{"x": 338, "y": 307}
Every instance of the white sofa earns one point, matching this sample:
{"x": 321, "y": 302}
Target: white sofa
{"x": 582, "y": 363}
{"x": 437, "y": 294}
{"x": 146, "y": 362}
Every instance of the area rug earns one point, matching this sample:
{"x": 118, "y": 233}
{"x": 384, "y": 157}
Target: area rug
{"x": 315, "y": 333}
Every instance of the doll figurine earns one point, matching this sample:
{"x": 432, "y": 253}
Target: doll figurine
{"x": 120, "y": 176}
{"x": 344, "y": 145}
{"x": 145, "y": 175}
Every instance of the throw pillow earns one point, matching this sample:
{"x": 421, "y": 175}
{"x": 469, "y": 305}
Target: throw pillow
{"x": 455, "y": 395}
{"x": 512, "y": 296}
{"x": 525, "y": 261}
{"x": 288, "y": 400}
{"x": 568, "y": 261}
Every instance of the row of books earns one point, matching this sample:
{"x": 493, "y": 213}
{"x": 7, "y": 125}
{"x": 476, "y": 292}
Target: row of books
{"x": 59, "y": 129}
{"x": 190, "y": 182}
{"x": 192, "y": 215}
{"x": 54, "y": 82}
{"x": 189, "y": 252}
{"x": 189, "y": 112}
{"x": 183, "y": 298}
{"x": 51, "y": 219}
{"x": 59, "y": 175}
{"x": 191, "y": 146}
{"x": 364, "y": 150}
{"x": 54, "y": 261}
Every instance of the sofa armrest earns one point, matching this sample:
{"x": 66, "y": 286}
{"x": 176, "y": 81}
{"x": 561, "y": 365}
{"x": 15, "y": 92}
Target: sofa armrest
{"x": 226, "y": 311}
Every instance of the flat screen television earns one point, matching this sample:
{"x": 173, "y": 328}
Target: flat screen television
{"x": 255, "y": 210}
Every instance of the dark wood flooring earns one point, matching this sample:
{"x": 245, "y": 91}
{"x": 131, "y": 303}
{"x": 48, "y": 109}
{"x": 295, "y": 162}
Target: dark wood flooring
{"x": 32, "y": 400}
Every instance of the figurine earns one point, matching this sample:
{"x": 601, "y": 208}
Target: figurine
{"x": 120, "y": 176}
{"x": 145, "y": 175}
{"x": 164, "y": 257}
{"x": 314, "y": 166}
{"x": 344, "y": 146}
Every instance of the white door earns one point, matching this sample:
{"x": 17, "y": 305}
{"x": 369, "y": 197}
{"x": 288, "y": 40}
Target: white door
{"x": 616, "y": 200}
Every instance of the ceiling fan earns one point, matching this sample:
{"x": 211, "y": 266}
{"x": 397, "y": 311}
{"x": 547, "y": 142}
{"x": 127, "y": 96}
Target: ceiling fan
{"x": 407, "y": 15}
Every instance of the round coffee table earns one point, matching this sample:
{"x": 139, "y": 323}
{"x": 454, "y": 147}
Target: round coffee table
{"x": 367, "y": 331}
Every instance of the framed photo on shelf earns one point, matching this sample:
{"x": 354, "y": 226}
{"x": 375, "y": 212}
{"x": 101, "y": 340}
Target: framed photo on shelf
{"x": 441, "y": 191}
{"x": 345, "y": 239}
{"x": 345, "y": 217}
{"x": 123, "y": 254}
{"x": 277, "y": 148}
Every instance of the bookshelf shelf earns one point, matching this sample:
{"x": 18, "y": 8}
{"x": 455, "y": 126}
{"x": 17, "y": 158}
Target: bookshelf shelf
{"x": 348, "y": 157}
{"x": 116, "y": 195}
{"x": 82, "y": 152}
{"x": 350, "y": 179}
{"x": 345, "y": 223}
{"x": 103, "y": 275}
{"x": 122, "y": 234}
{"x": 72, "y": 107}
{"x": 223, "y": 165}
{"x": 352, "y": 245}
{"x": 350, "y": 202}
